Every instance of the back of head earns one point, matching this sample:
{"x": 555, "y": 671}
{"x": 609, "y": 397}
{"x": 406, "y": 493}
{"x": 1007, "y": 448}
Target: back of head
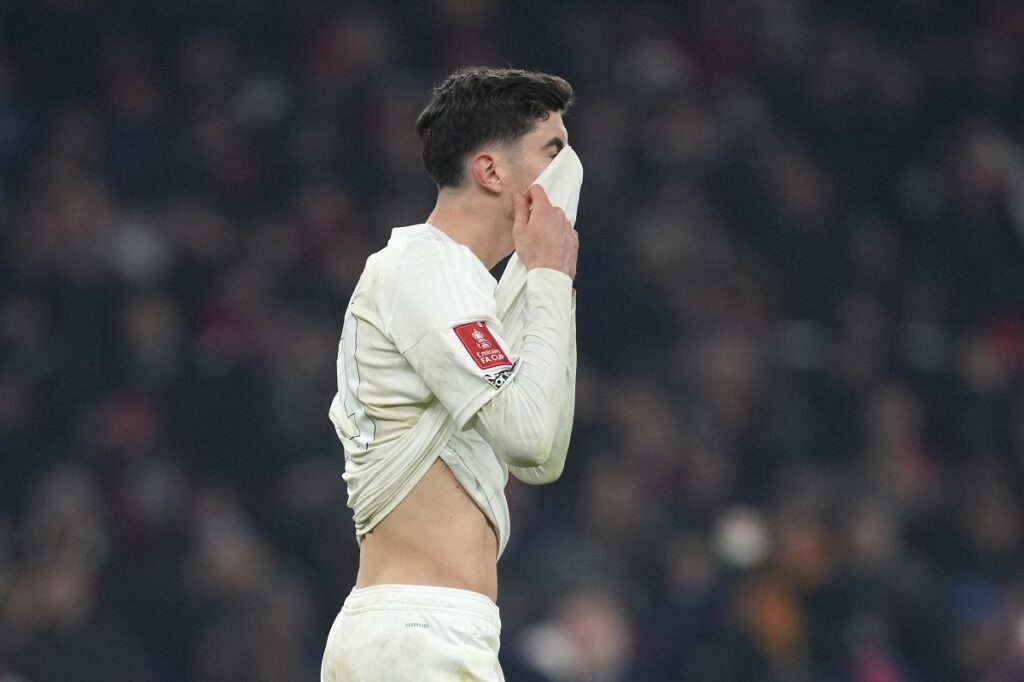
{"x": 478, "y": 106}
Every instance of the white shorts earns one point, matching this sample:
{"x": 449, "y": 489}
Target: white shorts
{"x": 393, "y": 633}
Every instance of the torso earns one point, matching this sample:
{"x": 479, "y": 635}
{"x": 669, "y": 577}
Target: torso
{"x": 403, "y": 377}
{"x": 437, "y": 535}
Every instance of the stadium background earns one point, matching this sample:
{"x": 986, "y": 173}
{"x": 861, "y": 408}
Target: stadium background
{"x": 799, "y": 446}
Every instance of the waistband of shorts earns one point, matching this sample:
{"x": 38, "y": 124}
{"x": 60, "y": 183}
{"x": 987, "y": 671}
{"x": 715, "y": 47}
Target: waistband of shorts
{"x": 378, "y": 597}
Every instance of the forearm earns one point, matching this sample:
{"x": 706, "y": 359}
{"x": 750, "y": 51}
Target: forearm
{"x": 522, "y": 421}
{"x": 550, "y": 470}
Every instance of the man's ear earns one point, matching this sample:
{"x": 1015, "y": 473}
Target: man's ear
{"x": 483, "y": 169}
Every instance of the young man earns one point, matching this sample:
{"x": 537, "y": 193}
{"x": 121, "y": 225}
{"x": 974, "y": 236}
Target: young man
{"x": 434, "y": 406}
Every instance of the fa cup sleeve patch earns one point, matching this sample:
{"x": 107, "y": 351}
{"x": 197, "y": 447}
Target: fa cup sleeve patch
{"x": 481, "y": 345}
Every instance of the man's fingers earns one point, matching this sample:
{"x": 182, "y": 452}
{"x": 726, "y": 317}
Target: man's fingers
{"x": 545, "y": 236}
{"x": 522, "y": 208}
{"x": 539, "y": 197}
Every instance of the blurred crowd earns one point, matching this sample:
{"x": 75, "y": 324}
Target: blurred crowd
{"x": 799, "y": 444}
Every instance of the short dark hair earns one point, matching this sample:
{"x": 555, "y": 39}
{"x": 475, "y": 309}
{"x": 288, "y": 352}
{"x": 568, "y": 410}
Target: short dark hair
{"x": 479, "y": 105}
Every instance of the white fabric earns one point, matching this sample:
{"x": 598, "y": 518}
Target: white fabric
{"x": 409, "y": 384}
{"x": 398, "y": 633}
{"x": 562, "y": 180}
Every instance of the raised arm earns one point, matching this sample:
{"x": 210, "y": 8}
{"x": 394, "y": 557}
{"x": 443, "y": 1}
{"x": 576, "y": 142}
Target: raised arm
{"x": 524, "y": 422}
{"x": 550, "y": 470}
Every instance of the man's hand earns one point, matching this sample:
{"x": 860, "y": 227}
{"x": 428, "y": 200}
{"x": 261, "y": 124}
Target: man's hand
{"x": 543, "y": 236}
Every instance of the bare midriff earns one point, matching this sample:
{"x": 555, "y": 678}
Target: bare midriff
{"x": 436, "y": 536}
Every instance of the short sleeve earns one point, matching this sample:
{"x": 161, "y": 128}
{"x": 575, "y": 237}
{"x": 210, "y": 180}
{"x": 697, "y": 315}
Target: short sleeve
{"x": 442, "y": 318}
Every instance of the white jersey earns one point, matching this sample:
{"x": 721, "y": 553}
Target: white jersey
{"x": 422, "y": 350}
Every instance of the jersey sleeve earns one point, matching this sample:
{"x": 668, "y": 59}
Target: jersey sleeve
{"x": 551, "y": 470}
{"x": 442, "y": 318}
{"x": 522, "y": 422}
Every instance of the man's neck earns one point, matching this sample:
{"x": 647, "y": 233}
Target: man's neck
{"x": 474, "y": 224}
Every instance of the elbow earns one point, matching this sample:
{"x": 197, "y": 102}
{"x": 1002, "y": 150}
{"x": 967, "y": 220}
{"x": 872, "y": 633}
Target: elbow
{"x": 551, "y": 474}
{"x": 533, "y": 451}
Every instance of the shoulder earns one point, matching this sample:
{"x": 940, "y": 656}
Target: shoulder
{"x": 428, "y": 280}
{"x": 423, "y": 260}
{"x": 384, "y": 268}
{"x": 423, "y": 246}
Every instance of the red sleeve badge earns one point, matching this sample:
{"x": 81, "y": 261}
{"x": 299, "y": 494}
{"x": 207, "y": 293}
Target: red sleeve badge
{"x": 482, "y": 346}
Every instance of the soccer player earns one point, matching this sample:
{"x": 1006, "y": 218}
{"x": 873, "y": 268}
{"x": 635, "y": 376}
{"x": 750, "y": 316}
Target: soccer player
{"x": 434, "y": 406}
